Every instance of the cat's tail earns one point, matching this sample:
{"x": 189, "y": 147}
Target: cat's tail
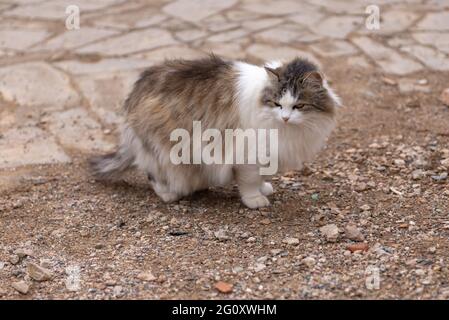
{"x": 112, "y": 165}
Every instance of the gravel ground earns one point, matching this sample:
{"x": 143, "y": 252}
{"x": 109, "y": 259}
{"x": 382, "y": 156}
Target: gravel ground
{"x": 380, "y": 181}
{"x": 367, "y": 219}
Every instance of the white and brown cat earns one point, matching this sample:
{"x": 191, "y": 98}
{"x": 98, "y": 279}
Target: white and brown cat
{"x": 293, "y": 98}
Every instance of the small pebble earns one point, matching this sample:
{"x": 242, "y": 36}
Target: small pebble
{"x": 291, "y": 241}
{"x": 223, "y": 287}
{"x": 146, "y": 276}
{"x": 38, "y": 273}
{"x": 309, "y": 261}
{"x": 14, "y": 259}
{"x": 353, "y": 233}
{"x": 444, "y": 97}
{"x": 357, "y": 247}
{"x": 222, "y": 235}
{"x": 331, "y": 232}
{"x": 21, "y": 286}
{"x": 361, "y": 186}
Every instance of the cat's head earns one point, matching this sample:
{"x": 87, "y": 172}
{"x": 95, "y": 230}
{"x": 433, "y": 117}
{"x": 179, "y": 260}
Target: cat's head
{"x": 297, "y": 93}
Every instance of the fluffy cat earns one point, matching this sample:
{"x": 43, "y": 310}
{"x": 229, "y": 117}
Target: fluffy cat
{"x": 293, "y": 98}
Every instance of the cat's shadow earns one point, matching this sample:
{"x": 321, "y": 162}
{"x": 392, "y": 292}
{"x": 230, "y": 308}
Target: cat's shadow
{"x": 205, "y": 204}
{"x": 213, "y": 198}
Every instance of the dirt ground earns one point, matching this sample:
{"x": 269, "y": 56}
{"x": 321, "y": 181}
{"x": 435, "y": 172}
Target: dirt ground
{"x": 381, "y": 173}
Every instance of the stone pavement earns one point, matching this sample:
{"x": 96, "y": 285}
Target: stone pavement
{"x": 61, "y": 89}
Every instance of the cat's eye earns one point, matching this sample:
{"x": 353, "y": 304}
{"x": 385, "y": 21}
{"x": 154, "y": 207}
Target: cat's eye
{"x": 298, "y": 106}
{"x": 277, "y": 105}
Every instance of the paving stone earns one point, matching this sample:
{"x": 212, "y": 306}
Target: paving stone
{"x": 241, "y": 15}
{"x": 399, "y": 41}
{"x": 409, "y": 85}
{"x": 24, "y": 25}
{"x": 437, "y": 5}
{"x": 21, "y": 39}
{"x": 191, "y": 34}
{"x": 55, "y": 9}
{"x": 20, "y": 178}
{"x": 231, "y": 50}
{"x": 345, "y": 6}
{"x": 27, "y": 146}
{"x": 334, "y": 48}
{"x": 439, "y": 40}
{"x": 139, "y": 18}
{"x": 358, "y": 61}
{"x": 269, "y": 53}
{"x": 261, "y": 23}
{"x": 48, "y": 11}
{"x": 221, "y": 26}
{"x": 152, "y": 20}
{"x": 287, "y": 34}
{"x": 76, "y": 67}
{"x": 16, "y": 2}
{"x": 106, "y": 94}
{"x": 131, "y": 42}
{"x": 430, "y": 57}
{"x": 176, "y": 25}
{"x": 37, "y": 84}
{"x": 4, "y": 6}
{"x": 307, "y": 18}
{"x": 339, "y": 27}
{"x": 24, "y": 116}
{"x": 172, "y": 52}
{"x": 194, "y": 11}
{"x": 7, "y": 53}
{"x": 11, "y": 180}
{"x": 387, "y": 58}
{"x": 228, "y": 35}
{"x": 397, "y": 21}
{"x": 7, "y": 118}
{"x": 122, "y": 7}
{"x": 89, "y": 5}
{"x": 75, "y": 129}
{"x": 74, "y": 38}
{"x": 281, "y": 7}
{"x": 435, "y": 21}
{"x": 216, "y": 19}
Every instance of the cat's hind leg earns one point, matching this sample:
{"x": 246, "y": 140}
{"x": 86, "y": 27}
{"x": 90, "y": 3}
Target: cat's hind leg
{"x": 163, "y": 191}
{"x": 171, "y": 183}
{"x": 148, "y": 163}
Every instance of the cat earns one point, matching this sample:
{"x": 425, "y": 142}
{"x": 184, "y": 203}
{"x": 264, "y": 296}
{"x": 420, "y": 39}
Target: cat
{"x": 292, "y": 97}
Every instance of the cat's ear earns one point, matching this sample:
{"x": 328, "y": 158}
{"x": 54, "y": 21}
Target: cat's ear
{"x": 314, "y": 77}
{"x": 273, "y": 73}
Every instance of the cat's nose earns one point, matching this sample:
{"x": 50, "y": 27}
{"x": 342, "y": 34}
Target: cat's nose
{"x": 285, "y": 118}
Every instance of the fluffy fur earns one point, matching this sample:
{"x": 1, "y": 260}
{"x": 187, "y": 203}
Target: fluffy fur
{"x": 293, "y": 98}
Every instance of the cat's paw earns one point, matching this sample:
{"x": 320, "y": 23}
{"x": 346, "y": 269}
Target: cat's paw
{"x": 266, "y": 189}
{"x": 168, "y": 197}
{"x": 257, "y": 201}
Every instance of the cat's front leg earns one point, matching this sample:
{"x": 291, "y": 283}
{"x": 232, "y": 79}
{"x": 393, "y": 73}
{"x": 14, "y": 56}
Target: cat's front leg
{"x": 266, "y": 188}
{"x": 250, "y": 186}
